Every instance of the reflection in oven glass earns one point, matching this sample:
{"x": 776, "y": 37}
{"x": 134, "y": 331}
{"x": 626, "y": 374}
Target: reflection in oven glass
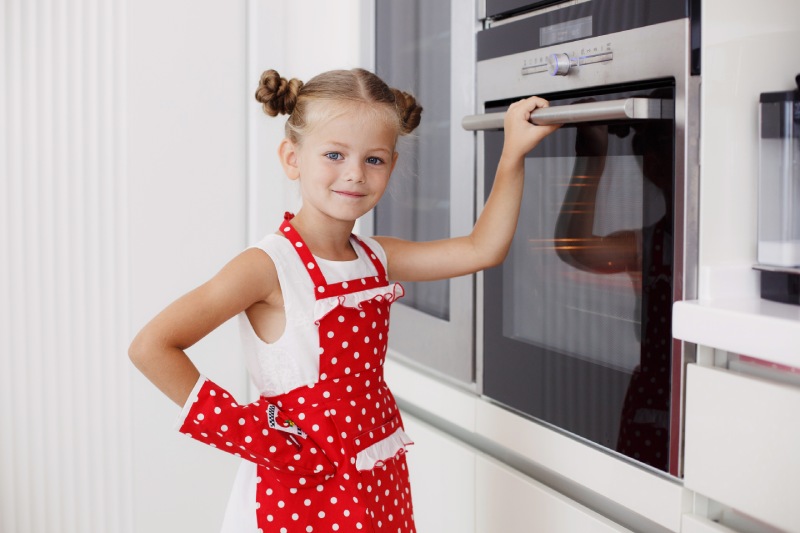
{"x": 589, "y": 276}
{"x": 596, "y": 302}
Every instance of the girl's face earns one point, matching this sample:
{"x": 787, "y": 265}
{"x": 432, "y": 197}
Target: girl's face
{"x": 343, "y": 164}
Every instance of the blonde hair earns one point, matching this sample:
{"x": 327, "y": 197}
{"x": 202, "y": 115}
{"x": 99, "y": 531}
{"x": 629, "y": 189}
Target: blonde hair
{"x": 280, "y": 96}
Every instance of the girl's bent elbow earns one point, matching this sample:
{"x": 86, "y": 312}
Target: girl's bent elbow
{"x": 497, "y": 262}
{"x": 500, "y": 256}
{"x": 494, "y": 260}
{"x": 134, "y": 351}
{"x": 138, "y": 350}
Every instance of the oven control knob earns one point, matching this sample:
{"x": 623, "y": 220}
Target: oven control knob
{"x": 558, "y": 64}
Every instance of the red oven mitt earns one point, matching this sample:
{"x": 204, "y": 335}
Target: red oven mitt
{"x": 258, "y": 432}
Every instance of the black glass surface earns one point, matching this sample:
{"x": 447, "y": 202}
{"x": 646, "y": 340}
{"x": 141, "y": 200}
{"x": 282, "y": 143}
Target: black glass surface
{"x": 577, "y": 321}
{"x": 413, "y": 54}
{"x": 607, "y": 16}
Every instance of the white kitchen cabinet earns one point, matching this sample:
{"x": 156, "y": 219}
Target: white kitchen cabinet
{"x": 442, "y": 474}
{"x": 751, "y": 326}
{"x": 509, "y": 502}
{"x": 742, "y": 442}
{"x": 742, "y": 435}
{"x": 457, "y": 489}
{"x": 700, "y": 524}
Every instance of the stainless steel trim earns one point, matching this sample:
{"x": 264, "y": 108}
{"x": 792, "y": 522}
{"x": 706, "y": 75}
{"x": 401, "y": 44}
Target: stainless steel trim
{"x": 626, "y": 108}
{"x": 595, "y": 58}
{"x": 534, "y": 69}
{"x": 649, "y": 53}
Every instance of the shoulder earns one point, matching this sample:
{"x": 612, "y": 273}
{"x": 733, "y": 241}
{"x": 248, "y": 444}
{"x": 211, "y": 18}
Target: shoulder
{"x": 247, "y": 278}
{"x": 280, "y": 251}
{"x": 252, "y": 271}
{"x": 272, "y": 244}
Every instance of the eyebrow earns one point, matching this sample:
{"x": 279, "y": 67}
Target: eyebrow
{"x": 344, "y": 145}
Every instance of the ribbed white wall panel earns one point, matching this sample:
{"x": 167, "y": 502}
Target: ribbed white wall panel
{"x": 64, "y": 377}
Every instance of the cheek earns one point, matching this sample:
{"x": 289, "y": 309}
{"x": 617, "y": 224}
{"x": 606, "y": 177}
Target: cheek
{"x": 382, "y": 181}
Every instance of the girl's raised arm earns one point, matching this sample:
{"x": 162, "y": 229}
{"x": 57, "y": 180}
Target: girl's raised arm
{"x": 491, "y": 237}
{"x": 158, "y": 350}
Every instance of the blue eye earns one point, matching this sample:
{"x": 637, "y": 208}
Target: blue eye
{"x": 334, "y": 156}
{"x": 374, "y": 160}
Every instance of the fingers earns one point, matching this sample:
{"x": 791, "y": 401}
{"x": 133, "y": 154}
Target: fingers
{"x": 526, "y": 106}
{"x": 521, "y": 135}
{"x": 521, "y": 110}
{"x": 532, "y": 102}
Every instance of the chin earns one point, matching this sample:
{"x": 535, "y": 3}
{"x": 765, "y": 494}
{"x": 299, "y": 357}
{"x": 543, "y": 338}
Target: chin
{"x": 346, "y": 215}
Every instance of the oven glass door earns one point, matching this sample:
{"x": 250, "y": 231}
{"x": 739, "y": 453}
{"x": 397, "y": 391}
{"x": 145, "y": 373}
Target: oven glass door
{"x": 427, "y": 49}
{"x": 413, "y": 38}
{"x": 577, "y": 320}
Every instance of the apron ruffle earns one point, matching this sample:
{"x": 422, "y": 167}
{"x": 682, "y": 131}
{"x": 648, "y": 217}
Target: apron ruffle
{"x": 377, "y": 454}
{"x": 354, "y": 300}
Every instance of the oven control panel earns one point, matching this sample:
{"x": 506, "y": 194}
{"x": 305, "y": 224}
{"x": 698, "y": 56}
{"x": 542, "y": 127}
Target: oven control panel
{"x": 559, "y": 64}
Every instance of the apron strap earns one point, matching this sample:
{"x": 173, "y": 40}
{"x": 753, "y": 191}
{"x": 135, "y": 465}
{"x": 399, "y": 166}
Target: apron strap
{"x": 305, "y": 254}
{"x": 373, "y": 257}
{"x": 322, "y": 289}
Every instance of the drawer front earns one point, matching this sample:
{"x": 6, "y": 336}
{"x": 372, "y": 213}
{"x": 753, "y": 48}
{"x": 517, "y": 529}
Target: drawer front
{"x": 743, "y": 444}
{"x": 442, "y": 472}
{"x": 699, "y": 524}
{"x": 512, "y": 503}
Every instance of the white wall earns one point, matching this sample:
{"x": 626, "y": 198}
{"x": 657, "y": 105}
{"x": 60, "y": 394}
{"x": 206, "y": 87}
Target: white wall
{"x": 746, "y": 50}
{"x": 65, "y": 410}
{"x": 186, "y": 153}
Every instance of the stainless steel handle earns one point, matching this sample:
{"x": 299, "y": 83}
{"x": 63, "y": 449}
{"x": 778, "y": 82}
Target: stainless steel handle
{"x": 626, "y": 108}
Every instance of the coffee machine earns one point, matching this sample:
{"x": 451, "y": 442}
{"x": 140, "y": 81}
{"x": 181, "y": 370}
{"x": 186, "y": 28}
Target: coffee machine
{"x": 779, "y": 195}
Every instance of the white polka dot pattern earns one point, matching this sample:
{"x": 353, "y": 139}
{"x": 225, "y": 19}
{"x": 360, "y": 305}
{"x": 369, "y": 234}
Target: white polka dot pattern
{"x": 347, "y": 415}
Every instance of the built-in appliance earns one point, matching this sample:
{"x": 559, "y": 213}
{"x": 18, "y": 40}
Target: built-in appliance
{"x": 779, "y": 195}
{"x": 428, "y": 48}
{"x": 574, "y": 328}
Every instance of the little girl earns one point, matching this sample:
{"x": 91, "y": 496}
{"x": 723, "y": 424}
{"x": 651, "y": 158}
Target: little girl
{"x": 324, "y": 444}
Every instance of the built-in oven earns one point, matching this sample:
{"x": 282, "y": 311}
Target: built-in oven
{"x": 428, "y": 49}
{"x": 574, "y": 328}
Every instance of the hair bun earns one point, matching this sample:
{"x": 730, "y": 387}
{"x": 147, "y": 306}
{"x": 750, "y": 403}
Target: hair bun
{"x": 408, "y": 109}
{"x": 277, "y": 95}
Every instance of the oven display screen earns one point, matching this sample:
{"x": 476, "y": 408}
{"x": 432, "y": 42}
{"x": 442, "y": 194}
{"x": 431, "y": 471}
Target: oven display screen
{"x": 566, "y": 31}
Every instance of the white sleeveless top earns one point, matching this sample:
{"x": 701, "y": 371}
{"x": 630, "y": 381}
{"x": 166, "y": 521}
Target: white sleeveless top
{"x": 293, "y": 360}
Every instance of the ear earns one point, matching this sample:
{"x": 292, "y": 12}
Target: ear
{"x": 394, "y": 161}
{"x": 287, "y": 152}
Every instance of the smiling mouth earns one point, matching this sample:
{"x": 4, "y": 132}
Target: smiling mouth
{"x": 350, "y": 194}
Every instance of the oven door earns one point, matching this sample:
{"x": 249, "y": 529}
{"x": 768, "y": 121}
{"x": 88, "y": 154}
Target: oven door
{"x": 427, "y": 48}
{"x": 577, "y": 320}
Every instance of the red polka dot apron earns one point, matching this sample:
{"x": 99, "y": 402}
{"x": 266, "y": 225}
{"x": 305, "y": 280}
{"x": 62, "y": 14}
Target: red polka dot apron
{"x": 330, "y": 455}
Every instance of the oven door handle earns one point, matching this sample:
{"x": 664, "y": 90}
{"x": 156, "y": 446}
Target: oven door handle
{"x": 624, "y": 109}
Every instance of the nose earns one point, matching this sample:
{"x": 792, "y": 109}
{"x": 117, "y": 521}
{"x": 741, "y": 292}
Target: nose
{"x": 355, "y": 172}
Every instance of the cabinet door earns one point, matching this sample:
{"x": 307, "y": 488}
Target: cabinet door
{"x": 442, "y": 474}
{"x": 699, "y": 524}
{"x": 509, "y": 502}
{"x": 742, "y": 442}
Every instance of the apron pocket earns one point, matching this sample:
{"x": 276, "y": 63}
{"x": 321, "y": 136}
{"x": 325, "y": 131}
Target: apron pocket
{"x": 377, "y": 445}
